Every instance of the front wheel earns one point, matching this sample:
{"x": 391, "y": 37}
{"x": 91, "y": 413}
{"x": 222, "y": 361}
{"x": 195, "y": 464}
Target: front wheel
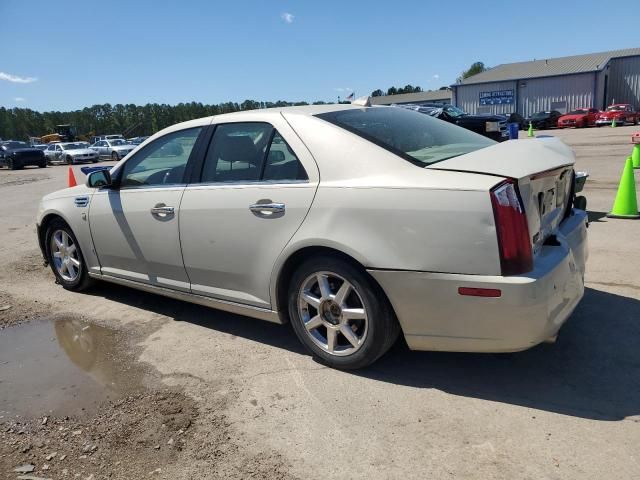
{"x": 340, "y": 314}
{"x": 65, "y": 257}
{"x": 42, "y": 164}
{"x": 14, "y": 164}
{"x": 115, "y": 157}
{"x": 69, "y": 160}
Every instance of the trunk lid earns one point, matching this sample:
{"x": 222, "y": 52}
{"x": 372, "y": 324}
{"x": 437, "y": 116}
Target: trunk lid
{"x": 543, "y": 169}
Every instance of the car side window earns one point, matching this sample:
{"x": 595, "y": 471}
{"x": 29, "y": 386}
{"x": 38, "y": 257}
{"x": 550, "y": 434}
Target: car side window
{"x": 282, "y": 163}
{"x": 162, "y": 162}
{"x": 236, "y": 152}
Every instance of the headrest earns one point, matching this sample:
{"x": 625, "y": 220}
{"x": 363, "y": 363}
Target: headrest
{"x": 236, "y": 148}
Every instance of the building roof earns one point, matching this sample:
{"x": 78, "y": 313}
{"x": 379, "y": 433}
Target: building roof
{"x": 550, "y": 67}
{"x": 429, "y": 96}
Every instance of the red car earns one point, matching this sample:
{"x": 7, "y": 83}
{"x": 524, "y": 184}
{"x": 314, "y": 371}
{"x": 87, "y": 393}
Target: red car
{"x": 579, "y": 118}
{"x": 623, "y": 113}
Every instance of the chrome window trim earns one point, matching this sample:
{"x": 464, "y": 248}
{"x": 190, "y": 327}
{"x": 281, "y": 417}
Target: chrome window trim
{"x": 248, "y": 183}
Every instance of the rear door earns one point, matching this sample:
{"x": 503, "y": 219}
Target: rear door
{"x": 255, "y": 188}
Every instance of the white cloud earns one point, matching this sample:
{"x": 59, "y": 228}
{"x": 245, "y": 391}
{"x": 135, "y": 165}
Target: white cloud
{"x": 20, "y": 99}
{"x": 16, "y": 79}
{"x": 436, "y": 76}
{"x": 287, "y": 17}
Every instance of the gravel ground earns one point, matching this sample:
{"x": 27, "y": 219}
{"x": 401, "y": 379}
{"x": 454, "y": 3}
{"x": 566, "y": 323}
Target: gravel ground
{"x": 251, "y": 404}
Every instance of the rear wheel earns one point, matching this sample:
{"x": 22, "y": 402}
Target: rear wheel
{"x": 69, "y": 160}
{"x": 340, "y": 314}
{"x": 114, "y": 156}
{"x": 65, "y": 257}
{"x": 42, "y": 164}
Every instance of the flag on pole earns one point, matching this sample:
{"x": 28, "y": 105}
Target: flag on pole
{"x": 351, "y": 96}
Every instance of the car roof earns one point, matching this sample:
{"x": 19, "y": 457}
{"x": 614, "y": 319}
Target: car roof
{"x": 261, "y": 114}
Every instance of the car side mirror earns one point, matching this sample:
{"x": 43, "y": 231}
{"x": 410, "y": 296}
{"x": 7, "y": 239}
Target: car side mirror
{"x": 98, "y": 179}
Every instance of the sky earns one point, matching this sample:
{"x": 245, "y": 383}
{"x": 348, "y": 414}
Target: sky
{"x": 67, "y": 54}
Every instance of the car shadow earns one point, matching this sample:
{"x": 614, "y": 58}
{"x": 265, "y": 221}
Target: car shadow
{"x": 596, "y": 216}
{"x": 279, "y": 336}
{"x": 593, "y": 371}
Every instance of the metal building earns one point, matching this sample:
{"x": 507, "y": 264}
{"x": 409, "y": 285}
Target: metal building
{"x": 418, "y": 98}
{"x": 593, "y": 80}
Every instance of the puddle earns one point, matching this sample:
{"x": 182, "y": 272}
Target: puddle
{"x": 64, "y": 367}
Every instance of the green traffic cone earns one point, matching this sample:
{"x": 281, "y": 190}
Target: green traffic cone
{"x": 635, "y": 156}
{"x": 613, "y": 122}
{"x": 530, "y": 132}
{"x": 626, "y": 204}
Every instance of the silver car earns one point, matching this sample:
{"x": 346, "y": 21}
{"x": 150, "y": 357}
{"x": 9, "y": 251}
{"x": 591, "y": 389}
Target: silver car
{"x": 355, "y": 224}
{"x": 115, "y": 149}
{"x": 70, "y": 153}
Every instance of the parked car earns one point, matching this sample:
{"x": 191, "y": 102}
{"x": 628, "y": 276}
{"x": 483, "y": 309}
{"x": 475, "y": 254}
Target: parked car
{"x": 544, "y": 120}
{"x": 136, "y": 140}
{"x": 490, "y": 126}
{"x": 623, "y": 113}
{"x": 579, "y": 118}
{"x": 70, "y": 153}
{"x": 97, "y": 138}
{"x": 352, "y": 223}
{"x": 113, "y": 149}
{"x": 16, "y": 155}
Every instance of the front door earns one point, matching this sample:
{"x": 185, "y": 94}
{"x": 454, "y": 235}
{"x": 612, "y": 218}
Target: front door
{"x": 253, "y": 194}
{"x": 134, "y": 225}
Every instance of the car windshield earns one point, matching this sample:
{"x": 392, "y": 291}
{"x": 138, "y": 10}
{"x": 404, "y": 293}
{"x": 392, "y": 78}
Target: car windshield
{"x": 540, "y": 115}
{"x": 615, "y": 108}
{"x": 579, "y": 111}
{"x": 71, "y": 146}
{"x": 418, "y": 138}
{"x": 115, "y": 143}
{"x": 454, "y": 111}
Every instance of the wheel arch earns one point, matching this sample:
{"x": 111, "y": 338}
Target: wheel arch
{"x": 46, "y": 220}
{"x": 295, "y": 258}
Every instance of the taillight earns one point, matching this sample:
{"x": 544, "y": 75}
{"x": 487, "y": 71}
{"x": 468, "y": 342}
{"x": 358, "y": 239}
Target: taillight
{"x": 516, "y": 256}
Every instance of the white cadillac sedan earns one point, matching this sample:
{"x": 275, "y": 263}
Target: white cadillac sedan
{"x": 355, "y": 224}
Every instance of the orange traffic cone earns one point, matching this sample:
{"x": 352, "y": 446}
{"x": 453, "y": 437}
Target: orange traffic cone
{"x": 72, "y": 178}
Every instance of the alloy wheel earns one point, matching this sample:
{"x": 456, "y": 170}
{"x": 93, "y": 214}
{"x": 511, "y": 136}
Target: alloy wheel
{"x": 64, "y": 255}
{"x": 333, "y": 313}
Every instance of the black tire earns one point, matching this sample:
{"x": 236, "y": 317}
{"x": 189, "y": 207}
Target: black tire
{"x": 95, "y": 161}
{"x": 14, "y": 165}
{"x": 42, "y": 164}
{"x": 83, "y": 281}
{"x": 69, "y": 160}
{"x": 114, "y": 156}
{"x": 382, "y": 326}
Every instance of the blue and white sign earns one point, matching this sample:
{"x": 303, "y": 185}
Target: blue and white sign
{"x": 498, "y": 97}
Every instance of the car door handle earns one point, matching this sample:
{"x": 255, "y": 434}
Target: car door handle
{"x": 267, "y": 208}
{"x": 162, "y": 210}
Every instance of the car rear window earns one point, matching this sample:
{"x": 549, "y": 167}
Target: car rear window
{"x": 416, "y": 137}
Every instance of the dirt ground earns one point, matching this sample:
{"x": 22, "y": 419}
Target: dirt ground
{"x": 120, "y": 384}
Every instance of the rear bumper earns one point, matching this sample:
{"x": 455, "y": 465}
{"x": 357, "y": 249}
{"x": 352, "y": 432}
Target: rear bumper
{"x": 532, "y": 307}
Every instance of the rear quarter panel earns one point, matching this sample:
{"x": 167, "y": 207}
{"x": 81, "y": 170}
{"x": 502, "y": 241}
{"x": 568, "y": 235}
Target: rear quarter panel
{"x": 404, "y": 228}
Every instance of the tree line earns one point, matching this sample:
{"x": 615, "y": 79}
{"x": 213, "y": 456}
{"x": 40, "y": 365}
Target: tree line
{"x": 21, "y": 123}
{"x": 136, "y": 120}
